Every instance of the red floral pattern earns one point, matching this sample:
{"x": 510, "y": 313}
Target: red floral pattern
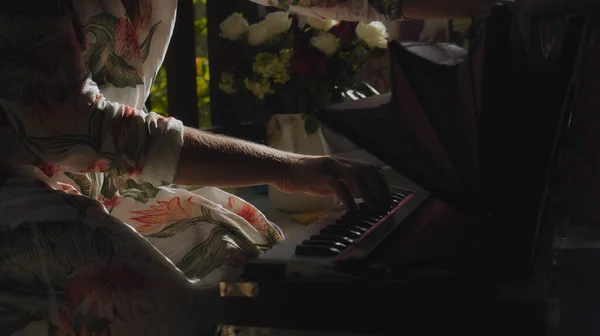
{"x": 112, "y": 202}
{"x": 162, "y": 213}
{"x": 139, "y": 12}
{"x": 69, "y": 189}
{"x": 126, "y": 43}
{"x": 49, "y": 168}
{"x": 247, "y": 212}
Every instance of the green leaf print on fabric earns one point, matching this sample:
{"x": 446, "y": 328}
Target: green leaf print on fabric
{"x": 178, "y": 227}
{"x": 224, "y": 244}
{"x": 60, "y": 247}
{"x": 89, "y": 185}
{"x": 61, "y": 144}
{"x": 118, "y": 185}
{"x": 172, "y": 229}
{"x": 116, "y": 57}
{"x": 142, "y": 195}
{"x": 145, "y": 46}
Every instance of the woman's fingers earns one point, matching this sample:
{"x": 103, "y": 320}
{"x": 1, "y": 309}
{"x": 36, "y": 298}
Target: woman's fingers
{"x": 349, "y": 179}
{"x": 365, "y": 181}
{"x": 366, "y": 191}
{"x": 341, "y": 190}
{"x": 380, "y": 187}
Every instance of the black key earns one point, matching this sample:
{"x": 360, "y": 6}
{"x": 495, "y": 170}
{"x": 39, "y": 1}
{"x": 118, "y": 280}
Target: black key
{"x": 359, "y": 225}
{"x": 373, "y": 215}
{"x": 340, "y": 232}
{"x": 347, "y": 227}
{"x": 372, "y": 219}
{"x": 336, "y": 245}
{"x": 316, "y": 251}
{"x": 334, "y": 238}
{"x": 398, "y": 196}
{"x": 364, "y": 220}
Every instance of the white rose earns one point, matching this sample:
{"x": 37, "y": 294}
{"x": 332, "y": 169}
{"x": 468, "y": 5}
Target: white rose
{"x": 278, "y": 22}
{"x": 374, "y": 34}
{"x": 234, "y": 26}
{"x": 258, "y": 33}
{"x": 321, "y": 24}
{"x": 326, "y": 42}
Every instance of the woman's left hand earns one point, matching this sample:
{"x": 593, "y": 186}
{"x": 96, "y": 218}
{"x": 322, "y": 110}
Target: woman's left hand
{"x": 348, "y": 179}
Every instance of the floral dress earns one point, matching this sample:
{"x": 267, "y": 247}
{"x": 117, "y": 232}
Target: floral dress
{"x": 94, "y": 238}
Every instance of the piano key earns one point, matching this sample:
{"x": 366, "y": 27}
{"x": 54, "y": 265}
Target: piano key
{"x": 359, "y": 225}
{"x": 329, "y": 243}
{"x": 398, "y": 196}
{"x": 362, "y": 216}
{"x": 335, "y": 238}
{"x": 316, "y": 251}
{"x": 367, "y": 221}
{"x": 348, "y": 227}
{"x": 340, "y": 232}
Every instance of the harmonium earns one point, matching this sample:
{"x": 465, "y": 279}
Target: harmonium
{"x": 467, "y": 247}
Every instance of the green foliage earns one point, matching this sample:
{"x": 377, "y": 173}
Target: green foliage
{"x": 158, "y": 93}
{"x": 203, "y": 89}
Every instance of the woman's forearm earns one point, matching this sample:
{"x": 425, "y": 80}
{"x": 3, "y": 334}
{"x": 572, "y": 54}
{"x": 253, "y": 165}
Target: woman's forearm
{"x": 213, "y": 160}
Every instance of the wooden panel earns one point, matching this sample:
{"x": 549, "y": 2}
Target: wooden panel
{"x": 181, "y": 67}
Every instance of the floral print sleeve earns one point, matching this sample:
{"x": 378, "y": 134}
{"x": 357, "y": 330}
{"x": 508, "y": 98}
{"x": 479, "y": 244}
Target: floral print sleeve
{"x": 60, "y": 113}
{"x": 98, "y": 135}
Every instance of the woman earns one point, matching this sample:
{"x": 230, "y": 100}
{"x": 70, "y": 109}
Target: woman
{"x": 93, "y": 241}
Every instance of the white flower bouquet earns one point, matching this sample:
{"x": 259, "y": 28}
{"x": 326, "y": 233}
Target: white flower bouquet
{"x": 279, "y": 66}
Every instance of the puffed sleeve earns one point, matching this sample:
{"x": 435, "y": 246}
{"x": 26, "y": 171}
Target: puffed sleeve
{"x": 46, "y": 89}
{"x": 90, "y": 133}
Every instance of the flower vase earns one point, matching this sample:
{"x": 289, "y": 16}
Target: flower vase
{"x": 287, "y": 132}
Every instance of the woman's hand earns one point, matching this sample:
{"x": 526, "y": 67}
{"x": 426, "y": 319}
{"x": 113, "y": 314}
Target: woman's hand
{"x": 214, "y": 160}
{"x": 323, "y": 175}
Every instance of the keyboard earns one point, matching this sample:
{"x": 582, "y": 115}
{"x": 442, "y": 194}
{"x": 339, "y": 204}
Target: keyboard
{"x": 336, "y": 236}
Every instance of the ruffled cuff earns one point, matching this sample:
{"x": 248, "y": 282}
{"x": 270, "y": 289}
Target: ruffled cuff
{"x": 164, "y": 148}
